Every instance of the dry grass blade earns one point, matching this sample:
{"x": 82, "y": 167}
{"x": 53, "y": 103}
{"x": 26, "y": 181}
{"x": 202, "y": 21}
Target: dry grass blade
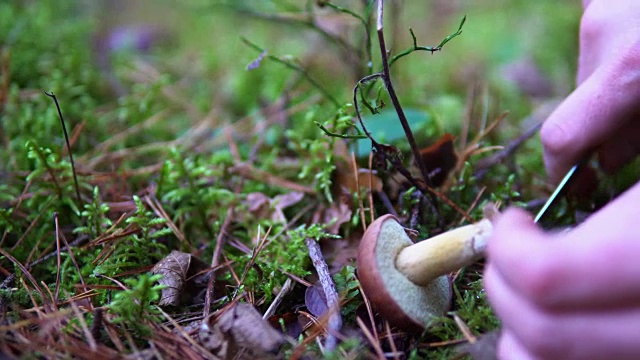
{"x": 83, "y": 324}
{"x": 372, "y": 340}
{"x": 464, "y": 329}
{"x": 159, "y": 210}
{"x": 202, "y": 351}
{"x": 392, "y": 343}
{"x": 25, "y": 272}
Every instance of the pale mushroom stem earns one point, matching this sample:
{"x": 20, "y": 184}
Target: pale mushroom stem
{"x": 421, "y": 263}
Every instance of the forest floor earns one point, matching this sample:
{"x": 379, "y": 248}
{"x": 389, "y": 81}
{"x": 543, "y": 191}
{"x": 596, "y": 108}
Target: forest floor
{"x": 218, "y": 161}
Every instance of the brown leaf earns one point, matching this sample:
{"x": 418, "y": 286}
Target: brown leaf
{"x": 261, "y": 206}
{"x": 240, "y": 332}
{"x": 338, "y": 252}
{"x": 439, "y": 159}
{"x": 345, "y": 179}
{"x": 256, "y": 202}
{"x": 338, "y": 213}
{"x": 177, "y": 269}
{"x": 173, "y": 268}
{"x": 286, "y": 200}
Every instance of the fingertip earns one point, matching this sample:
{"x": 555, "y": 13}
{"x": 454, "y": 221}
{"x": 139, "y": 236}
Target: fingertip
{"x": 514, "y": 218}
{"x": 509, "y": 347}
{"x": 554, "y": 135}
{"x": 558, "y": 144}
{"x": 508, "y": 225}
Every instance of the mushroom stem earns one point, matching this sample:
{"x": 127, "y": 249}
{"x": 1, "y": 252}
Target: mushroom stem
{"x": 424, "y": 261}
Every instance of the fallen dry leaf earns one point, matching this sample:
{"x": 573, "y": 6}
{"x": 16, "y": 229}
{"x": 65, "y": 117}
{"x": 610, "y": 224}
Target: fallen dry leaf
{"x": 337, "y": 213}
{"x": 344, "y": 178}
{"x": 240, "y": 333}
{"x": 262, "y": 206}
{"x": 439, "y": 159}
{"x": 176, "y": 268}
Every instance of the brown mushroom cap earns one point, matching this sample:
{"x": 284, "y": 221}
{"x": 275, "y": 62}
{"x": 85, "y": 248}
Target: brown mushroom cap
{"x": 399, "y": 301}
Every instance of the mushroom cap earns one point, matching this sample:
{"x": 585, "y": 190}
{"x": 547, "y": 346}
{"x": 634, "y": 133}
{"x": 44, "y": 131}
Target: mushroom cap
{"x": 398, "y": 300}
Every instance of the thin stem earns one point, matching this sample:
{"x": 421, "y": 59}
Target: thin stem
{"x": 366, "y": 103}
{"x": 365, "y": 25}
{"x": 294, "y": 67}
{"x": 362, "y": 81}
{"x": 342, "y": 136}
{"x": 396, "y": 104}
{"x": 66, "y": 138}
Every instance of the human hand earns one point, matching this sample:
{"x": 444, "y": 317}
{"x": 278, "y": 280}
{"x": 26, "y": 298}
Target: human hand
{"x": 570, "y": 295}
{"x": 603, "y": 113}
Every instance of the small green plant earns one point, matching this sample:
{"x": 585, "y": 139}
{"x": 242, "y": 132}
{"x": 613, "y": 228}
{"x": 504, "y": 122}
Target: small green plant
{"x": 348, "y": 288}
{"x": 134, "y": 307}
{"x": 95, "y": 215}
{"x": 139, "y": 249}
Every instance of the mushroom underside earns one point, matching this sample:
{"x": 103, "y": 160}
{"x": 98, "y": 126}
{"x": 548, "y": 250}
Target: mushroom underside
{"x": 399, "y": 301}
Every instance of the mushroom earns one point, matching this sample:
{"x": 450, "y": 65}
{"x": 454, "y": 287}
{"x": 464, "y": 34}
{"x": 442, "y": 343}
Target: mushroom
{"x": 408, "y": 283}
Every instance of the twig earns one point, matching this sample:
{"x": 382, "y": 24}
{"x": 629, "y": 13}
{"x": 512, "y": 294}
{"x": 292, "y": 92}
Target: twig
{"x": 286, "y": 288}
{"x": 359, "y": 193}
{"x": 308, "y": 21}
{"x": 254, "y": 255}
{"x": 464, "y": 329}
{"x": 96, "y": 326}
{"x": 427, "y": 189}
{"x": 83, "y": 325}
{"x": 430, "y": 49}
{"x": 371, "y": 212}
{"x": 249, "y": 171}
{"x": 392, "y": 343}
{"x": 215, "y": 260}
{"x": 485, "y": 164}
{"x": 25, "y": 273}
{"x": 330, "y": 293}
